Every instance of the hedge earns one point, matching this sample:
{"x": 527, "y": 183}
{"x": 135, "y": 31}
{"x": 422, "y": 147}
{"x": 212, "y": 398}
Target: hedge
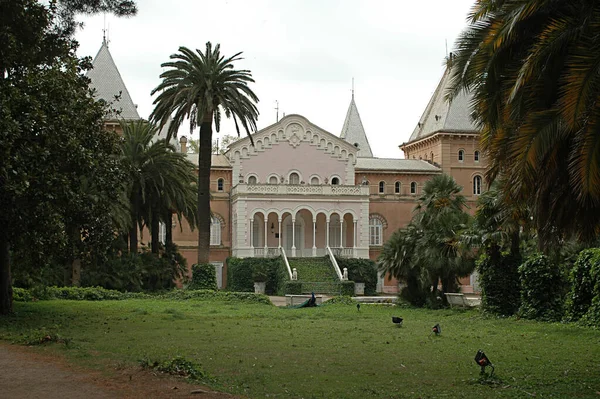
{"x": 500, "y": 284}
{"x": 361, "y": 271}
{"x": 583, "y": 278}
{"x": 203, "y": 277}
{"x": 101, "y": 294}
{"x": 242, "y": 271}
{"x": 541, "y": 289}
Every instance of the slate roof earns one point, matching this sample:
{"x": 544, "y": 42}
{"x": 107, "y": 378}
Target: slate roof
{"x": 395, "y": 165}
{"x": 217, "y": 160}
{"x": 441, "y": 116}
{"x": 108, "y": 83}
{"x": 354, "y": 132}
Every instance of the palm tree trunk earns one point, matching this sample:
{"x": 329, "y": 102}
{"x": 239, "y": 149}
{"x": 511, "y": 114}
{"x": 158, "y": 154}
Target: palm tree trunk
{"x": 169, "y": 229}
{"x": 6, "y": 294}
{"x": 154, "y": 230}
{"x": 72, "y": 270}
{"x": 133, "y": 239}
{"x": 204, "y": 165}
{"x": 133, "y": 232}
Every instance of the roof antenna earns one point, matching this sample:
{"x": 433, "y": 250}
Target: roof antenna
{"x": 277, "y": 109}
{"x": 104, "y": 31}
{"x": 353, "y": 87}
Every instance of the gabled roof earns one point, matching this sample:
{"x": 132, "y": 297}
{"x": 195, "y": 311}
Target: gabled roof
{"x": 395, "y": 165}
{"x": 442, "y": 116}
{"x": 108, "y": 83}
{"x": 354, "y": 132}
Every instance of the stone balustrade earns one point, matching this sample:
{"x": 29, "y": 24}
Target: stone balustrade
{"x": 300, "y": 189}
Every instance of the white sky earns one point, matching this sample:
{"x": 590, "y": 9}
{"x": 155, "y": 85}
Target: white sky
{"x": 303, "y": 53}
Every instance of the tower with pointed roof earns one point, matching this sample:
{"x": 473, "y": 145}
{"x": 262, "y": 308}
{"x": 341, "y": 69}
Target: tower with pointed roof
{"x": 109, "y": 86}
{"x": 354, "y": 132}
{"x": 446, "y": 136}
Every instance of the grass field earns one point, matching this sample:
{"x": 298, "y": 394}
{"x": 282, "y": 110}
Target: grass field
{"x": 327, "y": 352}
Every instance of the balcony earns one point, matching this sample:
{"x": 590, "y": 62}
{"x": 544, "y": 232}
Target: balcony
{"x": 300, "y": 189}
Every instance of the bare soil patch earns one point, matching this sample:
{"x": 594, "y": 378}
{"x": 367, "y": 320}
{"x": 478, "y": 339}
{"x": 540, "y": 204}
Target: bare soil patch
{"x": 27, "y": 373}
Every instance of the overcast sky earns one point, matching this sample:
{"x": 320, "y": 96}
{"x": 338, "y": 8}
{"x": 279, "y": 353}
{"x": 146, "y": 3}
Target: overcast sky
{"x": 302, "y": 53}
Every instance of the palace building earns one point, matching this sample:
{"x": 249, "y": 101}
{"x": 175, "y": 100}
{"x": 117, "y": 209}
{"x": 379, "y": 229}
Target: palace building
{"x": 307, "y": 192}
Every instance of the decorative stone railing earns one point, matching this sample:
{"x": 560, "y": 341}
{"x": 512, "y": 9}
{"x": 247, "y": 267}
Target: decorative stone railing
{"x": 300, "y": 189}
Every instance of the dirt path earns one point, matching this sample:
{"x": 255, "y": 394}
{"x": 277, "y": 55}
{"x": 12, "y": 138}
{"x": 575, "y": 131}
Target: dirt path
{"x": 25, "y": 373}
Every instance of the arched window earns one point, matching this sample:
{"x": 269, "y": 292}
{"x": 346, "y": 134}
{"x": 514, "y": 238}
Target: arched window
{"x": 381, "y": 187}
{"x": 397, "y": 187}
{"x": 413, "y": 187}
{"x": 252, "y": 180}
{"x": 477, "y": 185}
{"x": 461, "y": 155}
{"x": 220, "y": 184}
{"x": 375, "y": 231}
{"x": 294, "y": 178}
{"x": 476, "y": 156}
{"x": 314, "y": 180}
{"x": 215, "y": 231}
{"x": 273, "y": 180}
{"x": 335, "y": 181}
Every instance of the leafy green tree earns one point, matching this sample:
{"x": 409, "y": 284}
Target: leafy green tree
{"x": 201, "y": 86}
{"x": 46, "y": 112}
{"x": 430, "y": 249}
{"x": 160, "y": 181}
{"x": 532, "y": 67}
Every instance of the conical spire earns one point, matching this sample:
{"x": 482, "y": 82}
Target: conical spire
{"x": 443, "y": 116}
{"x": 108, "y": 83}
{"x": 354, "y": 132}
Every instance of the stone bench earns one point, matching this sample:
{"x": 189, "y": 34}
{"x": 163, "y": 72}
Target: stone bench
{"x": 461, "y": 300}
{"x": 292, "y": 300}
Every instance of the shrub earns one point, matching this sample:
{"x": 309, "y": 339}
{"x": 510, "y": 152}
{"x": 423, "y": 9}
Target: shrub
{"x": 293, "y": 288}
{"x": 242, "y": 271}
{"x": 341, "y": 300}
{"x": 541, "y": 289}
{"x": 361, "y": 271}
{"x": 583, "y": 278}
{"x": 203, "y": 277}
{"x": 500, "y": 284}
{"x": 347, "y": 288}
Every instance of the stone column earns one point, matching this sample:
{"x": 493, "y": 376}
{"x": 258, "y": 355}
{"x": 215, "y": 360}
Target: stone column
{"x": 314, "y": 248}
{"x": 252, "y": 235}
{"x": 293, "y": 238}
{"x": 279, "y": 228}
{"x": 266, "y": 229}
{"x": 354, "y": 237}
{"x": 341, "y": 232}
{"x": 327, "y": 232}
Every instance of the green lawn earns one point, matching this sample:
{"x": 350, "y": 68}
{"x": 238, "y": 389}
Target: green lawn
{"x": 327, "y": 352}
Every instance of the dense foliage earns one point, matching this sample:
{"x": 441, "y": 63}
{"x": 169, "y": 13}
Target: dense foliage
{"x": 241, "y": 273}
{"x": 204, "y": 277}
{"x": 532, "y": 67}
{"x": 430, "y": 250}
{"x": 542, "y": 289}
{"x": 361, "y": 271}
{"x": 583, "y": 278}
{"x": 500, "y": 283}
{"x": 102, "y": 294}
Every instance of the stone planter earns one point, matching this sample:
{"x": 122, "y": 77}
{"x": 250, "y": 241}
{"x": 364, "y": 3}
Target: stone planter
{"x": 259, "y": 287}
{"x": 359, "y": 288}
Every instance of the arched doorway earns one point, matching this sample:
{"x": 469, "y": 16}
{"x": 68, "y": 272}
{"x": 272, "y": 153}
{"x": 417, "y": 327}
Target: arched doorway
{"x": 290, "y": 236}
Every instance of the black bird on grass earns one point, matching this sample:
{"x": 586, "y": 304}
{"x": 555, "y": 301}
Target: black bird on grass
{"x": 397, "y": 321}
{"x": 358, "y": 306}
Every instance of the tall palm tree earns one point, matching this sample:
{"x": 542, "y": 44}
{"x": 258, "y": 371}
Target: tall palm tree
{"x": 201, "y": 86}
{"x": 533, "y": 67}
{"x": 160, "y": 181}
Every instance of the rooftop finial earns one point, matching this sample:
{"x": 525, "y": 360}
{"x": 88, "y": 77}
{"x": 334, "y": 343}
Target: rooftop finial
{"x": 105, "y": 40}
{"x": 353, "y": 88}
